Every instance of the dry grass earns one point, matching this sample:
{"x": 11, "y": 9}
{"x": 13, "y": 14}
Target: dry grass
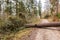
{"x": 15, "y": 36}
{"x": 21, "y": 33}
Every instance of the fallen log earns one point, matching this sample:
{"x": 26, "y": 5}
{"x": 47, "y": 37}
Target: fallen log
{"x": 41, "y": 25}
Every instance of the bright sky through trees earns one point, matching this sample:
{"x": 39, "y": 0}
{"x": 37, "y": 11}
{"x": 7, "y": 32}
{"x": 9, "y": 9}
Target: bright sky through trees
{"x": 44, "y": 3}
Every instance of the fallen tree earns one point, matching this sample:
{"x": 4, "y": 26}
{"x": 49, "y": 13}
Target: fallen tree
{"x": 41, "y": 25}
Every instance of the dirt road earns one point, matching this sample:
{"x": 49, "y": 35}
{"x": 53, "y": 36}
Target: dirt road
{"x": 44, "y": 34}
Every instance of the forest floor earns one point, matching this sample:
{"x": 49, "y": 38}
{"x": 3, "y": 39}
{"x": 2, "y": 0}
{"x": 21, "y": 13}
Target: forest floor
{"x": 34, "y": 33}
{"x": 43, "y": 34}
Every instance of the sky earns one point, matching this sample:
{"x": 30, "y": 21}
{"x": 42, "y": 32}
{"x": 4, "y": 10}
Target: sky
{"x": 44, "y": 3}
{"x": 59, "y": 1}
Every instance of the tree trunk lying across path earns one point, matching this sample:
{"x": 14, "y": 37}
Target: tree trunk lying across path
{"x": 45, "y": 34}
{"x": 41, "y": 25}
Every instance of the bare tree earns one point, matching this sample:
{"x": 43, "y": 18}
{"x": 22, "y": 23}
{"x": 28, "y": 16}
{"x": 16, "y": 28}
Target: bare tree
{"x": 54, "y": 7}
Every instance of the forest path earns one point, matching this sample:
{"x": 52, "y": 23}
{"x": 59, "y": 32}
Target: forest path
{"x": 46, "y": 34}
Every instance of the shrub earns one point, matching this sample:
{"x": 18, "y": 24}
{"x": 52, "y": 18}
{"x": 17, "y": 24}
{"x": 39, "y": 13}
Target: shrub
{"x": 47, "y": 16}
{"x": 58, "y": 15}
{"x": 13, "y": 24}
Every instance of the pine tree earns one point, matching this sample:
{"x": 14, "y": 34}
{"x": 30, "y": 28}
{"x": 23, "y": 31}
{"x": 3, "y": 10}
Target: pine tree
{"x": 39, "y": 7}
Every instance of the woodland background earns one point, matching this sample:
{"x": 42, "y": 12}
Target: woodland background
{"x": 14, "y": 14}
